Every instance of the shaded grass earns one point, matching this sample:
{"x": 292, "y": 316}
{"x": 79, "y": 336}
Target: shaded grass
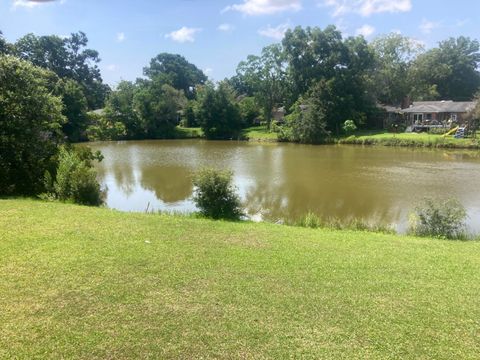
{"x": 260, "y": 134}
{"x": 188, "y": 133}
{"x": 78, "y": 282}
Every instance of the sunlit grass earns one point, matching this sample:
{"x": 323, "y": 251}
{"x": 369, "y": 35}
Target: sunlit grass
{"x": 259, "y": 133}
{"x": 79, "y": 282}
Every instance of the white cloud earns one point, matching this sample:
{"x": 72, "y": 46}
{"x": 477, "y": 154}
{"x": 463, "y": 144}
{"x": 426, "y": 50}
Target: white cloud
{"x": 120, "y": 37}
{"x": 208, "y": 71}
{"x": 185, "y": 34}
{"x": 365, "y": 30}
{"x": 33, "y": 3}
{"x": 265, "y": 7}
{"x": 112, "y": 67}
{"x": 226, "y": 27}
{"x": 367, "y": 7}
{"x": 427, "y": 26}
{"x": 276, "y": 33}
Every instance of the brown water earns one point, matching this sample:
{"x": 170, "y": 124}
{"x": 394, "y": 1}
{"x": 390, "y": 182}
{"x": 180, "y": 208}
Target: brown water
{"x": 285, "y": 181}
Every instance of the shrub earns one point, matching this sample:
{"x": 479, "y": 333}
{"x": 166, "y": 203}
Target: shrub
{"x": 349, "y": 127}
{"x": 215, "y": 194}
{"x": 442, "y": 219}
{"x": 75, "y": 180}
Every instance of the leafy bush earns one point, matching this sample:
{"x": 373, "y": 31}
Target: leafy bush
{"x": 215, "y": 194}
{"x": 442, "y": 219}
{"x": 30, "y": 126}
{"x": 75, "y": 179}
{"x": 349, "y": 126}
{"x": 102, "y": 128}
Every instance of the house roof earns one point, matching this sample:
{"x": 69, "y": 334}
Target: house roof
{"x": 440, "y": 107}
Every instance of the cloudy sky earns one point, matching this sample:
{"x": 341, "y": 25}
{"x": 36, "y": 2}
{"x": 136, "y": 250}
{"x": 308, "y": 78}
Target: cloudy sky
{"x": 217, "y": 34}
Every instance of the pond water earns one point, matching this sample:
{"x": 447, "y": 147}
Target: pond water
{"x": 285, "y": 181}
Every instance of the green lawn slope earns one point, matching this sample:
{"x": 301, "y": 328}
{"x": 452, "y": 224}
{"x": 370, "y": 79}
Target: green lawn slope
{"x": 79, "y": 282}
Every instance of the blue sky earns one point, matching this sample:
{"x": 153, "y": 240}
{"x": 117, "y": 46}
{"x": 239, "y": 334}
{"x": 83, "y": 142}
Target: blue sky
{"x": 217, "y": 34}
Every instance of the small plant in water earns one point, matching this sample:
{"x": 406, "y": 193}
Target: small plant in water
{"x": 215, "y": 194}
{"x": 439, "y": 218}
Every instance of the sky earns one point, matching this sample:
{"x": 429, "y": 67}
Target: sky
{"x": 216, "y": 35}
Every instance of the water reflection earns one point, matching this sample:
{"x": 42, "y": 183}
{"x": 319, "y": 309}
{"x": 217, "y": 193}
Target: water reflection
{"x": 278, "y": 181}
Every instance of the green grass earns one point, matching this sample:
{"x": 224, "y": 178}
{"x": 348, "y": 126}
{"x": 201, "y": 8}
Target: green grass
{"x": 78, "y": 282}
{"x": 260, "y": 134}
{"x": 409, "y": 139}
{"x": 188, "y": 133}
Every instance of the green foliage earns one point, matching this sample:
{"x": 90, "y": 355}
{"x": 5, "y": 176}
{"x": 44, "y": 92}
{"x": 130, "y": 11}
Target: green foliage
{"x": 102, "y": 128}
{"x": 159, "y": 106}
{"x": 215, "y": 195}
{"x": 75, "y": 179}
{"x": 30, "y": 126}
{"x": 120, "y": 108}
{"x": 437, "y": 218}
{"x": 249, "y": 110}
{"x": 394, "y": 54}
{"x": 75, "y": 108}
{"x": 266, "y": 77}
{"x": 349, "y": 127}
{"x": 218, "y": 114}
{"x": 68, "y": 58}
{"x": 313, "y": 221}
{"x": 176, "y": 71}
{"x": 448, "y": 71}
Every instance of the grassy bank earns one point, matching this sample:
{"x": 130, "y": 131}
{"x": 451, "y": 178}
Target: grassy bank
{"x": 188, "y": 133}
{"x": 77, "y": 282}
{"x": 259, "y": 134}
{"x": 410, "y": 140}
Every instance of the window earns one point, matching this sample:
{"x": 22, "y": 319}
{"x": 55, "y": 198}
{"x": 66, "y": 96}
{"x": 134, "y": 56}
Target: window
{"x": 454, "y": 117}
{"x": 417, "y": 118}
{"x": 428, "y": 116}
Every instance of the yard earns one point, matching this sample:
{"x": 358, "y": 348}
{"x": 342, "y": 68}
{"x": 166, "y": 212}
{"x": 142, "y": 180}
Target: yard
{"x": 79, "y": 282}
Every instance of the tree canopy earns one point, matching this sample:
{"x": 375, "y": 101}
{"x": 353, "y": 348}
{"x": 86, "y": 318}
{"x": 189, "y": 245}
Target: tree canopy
{"x": 176, "y": 71}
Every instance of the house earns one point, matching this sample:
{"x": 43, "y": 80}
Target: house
{"x": 278, "y": 115}
{"x": 424, "y": 115}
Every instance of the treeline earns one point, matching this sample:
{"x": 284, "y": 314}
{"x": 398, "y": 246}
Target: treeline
{"x": 51, "y": 92}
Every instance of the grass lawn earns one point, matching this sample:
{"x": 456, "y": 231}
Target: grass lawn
{"x": 78, "y": 282}
{"x": 409, "y": 139}
{"x": 259, "y": 133}
{"x": 188, "y": 133}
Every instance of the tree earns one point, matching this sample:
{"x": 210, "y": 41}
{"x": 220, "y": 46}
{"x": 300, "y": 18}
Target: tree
{"x": 75, "y": 108}
{"x": 5, "y": 47}
{"x": 30, "y": 126}
{"x": 249, "y": 110}
{"x": 218, "y": 114}
{"x": 266, "y": 76}
{"x": 447, "y": 72}
{"x": 176, "y": 71}
{"x": 68, "y": 58}
{"x": 307, "y": 123}
{"x": 312, "y": 54}
{"x": 159, "y": 106}
{"x": 120, "y": 108}
{"x": 394, "y": 55}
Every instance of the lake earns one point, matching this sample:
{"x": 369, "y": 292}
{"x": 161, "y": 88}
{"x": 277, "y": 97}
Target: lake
{"x": 285, "y": 181}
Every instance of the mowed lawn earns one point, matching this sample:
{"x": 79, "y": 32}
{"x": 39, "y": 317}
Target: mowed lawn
{"x": 78, "y": 282}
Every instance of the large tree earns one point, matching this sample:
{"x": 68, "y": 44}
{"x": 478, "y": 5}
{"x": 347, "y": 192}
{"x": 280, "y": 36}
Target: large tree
{"x": 159, "y": 106}
{"x": 447, "y": 72}
{"x": 30, "y": 126}
{"x": 176, "y": 71}
{"x": 394, "y": 55}
{"x": 120, "y": 109}
{"x": 68, "y": 58}
{"x": 218, "y": 114}
{"x": 266, "y": 76}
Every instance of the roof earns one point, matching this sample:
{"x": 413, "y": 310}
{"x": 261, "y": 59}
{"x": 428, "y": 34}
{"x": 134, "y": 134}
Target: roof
{"x": 440, "y": 107}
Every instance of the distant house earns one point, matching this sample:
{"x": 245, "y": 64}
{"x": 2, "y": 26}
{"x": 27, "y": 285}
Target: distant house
{"x": 423, "y": 115}
{"x": 278, "y": 115}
